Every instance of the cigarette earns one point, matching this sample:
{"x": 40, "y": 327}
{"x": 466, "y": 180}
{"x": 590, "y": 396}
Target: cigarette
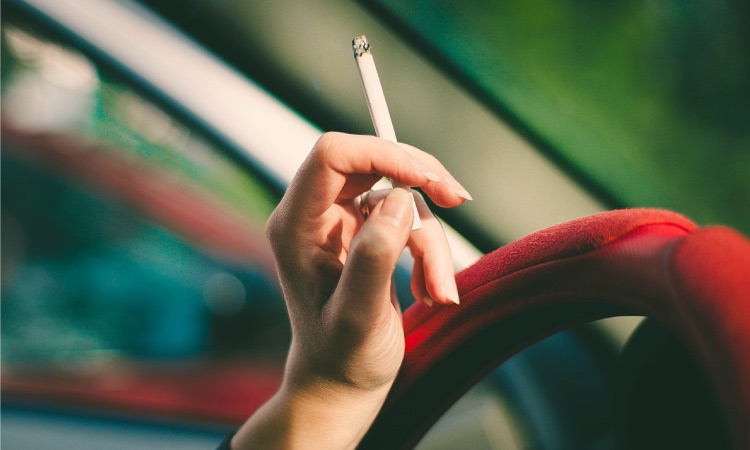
{"x": 381, "y": 118}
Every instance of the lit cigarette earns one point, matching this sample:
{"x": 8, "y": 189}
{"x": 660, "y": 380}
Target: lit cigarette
{"x": 381, "y": 119}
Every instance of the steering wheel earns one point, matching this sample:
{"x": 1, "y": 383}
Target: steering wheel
{"x": 695, "y": 282}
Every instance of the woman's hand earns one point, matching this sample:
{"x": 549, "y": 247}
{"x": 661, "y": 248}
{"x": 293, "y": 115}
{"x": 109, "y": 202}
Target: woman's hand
{"x": 336, "y": 273}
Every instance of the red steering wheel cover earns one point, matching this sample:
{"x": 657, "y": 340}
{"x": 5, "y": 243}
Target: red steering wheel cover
{"x": 646, "y": 262}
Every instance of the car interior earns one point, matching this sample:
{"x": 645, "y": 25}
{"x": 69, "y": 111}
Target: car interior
{"x": 145, "y": 143}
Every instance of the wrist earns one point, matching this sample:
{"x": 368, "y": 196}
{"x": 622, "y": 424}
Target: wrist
{"x": 319, "y": 415}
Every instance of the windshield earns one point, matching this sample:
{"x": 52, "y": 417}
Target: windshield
{"x": 649, "y": 100}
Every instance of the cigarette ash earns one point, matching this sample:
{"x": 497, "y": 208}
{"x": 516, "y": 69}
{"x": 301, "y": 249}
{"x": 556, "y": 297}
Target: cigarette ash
{"x": 360, "y": 45}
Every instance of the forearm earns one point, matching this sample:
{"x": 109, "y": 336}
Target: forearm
{"x": 318, "y": 418}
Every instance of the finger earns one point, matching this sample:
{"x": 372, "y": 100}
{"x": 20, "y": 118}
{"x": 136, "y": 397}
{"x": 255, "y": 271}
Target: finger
{"x": 394, "y": 298}
{"x": 376, "y": 196}
{"x": 429, "y": 247}
{"x": 364, "y": 288}
{"x": 454, "y": 195}
{"x": 433, "y": 261}
{"x": 355, "y": 161}
{"x": 418, "y": 288}
{"x": 373, "y": 197}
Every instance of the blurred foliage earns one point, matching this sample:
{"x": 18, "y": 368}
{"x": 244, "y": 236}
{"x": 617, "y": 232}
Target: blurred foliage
{"x": 648, "y": 99}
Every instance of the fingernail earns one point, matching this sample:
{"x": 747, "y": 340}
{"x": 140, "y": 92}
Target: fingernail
{"x": 396, "y": 208}
{"x": 451, "y": 292}
{"x": 428, "y": 300}
{"x": 424, "y": 170}
{"x": 463, "y": 193}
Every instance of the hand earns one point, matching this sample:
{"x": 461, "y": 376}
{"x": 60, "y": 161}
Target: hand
{"x": 336, "y": 273}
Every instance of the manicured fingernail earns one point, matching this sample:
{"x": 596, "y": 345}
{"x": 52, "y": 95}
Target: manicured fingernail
{"x": 450, "y": 291}
{"x": 396, "y": 208}
{"x": 463, "y": 193}
{"x": 428, "y": 300}
{"x": 424, "y": 170}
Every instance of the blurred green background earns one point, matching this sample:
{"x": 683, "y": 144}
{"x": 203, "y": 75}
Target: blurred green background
{"x": 648, "y": 100}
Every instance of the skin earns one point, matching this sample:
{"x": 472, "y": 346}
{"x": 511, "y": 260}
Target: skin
{"x": 336, "y": 273}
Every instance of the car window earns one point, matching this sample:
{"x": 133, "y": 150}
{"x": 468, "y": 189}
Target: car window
{"x": 127, "y": 238}
{"x": 647, "y": 100}
{"x": 135, "y": 271}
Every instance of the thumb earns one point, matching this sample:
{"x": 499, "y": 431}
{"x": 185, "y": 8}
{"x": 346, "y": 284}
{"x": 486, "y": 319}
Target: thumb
{"x": 365, "y": 282}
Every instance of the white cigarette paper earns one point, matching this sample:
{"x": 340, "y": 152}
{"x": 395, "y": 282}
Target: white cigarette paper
{"x": 381, "y": 118}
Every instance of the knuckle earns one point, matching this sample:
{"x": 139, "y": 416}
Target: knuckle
{"x": 326, "y": 145}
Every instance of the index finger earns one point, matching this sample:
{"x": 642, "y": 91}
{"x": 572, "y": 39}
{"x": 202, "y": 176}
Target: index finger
{"x": 336, "y": 157}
